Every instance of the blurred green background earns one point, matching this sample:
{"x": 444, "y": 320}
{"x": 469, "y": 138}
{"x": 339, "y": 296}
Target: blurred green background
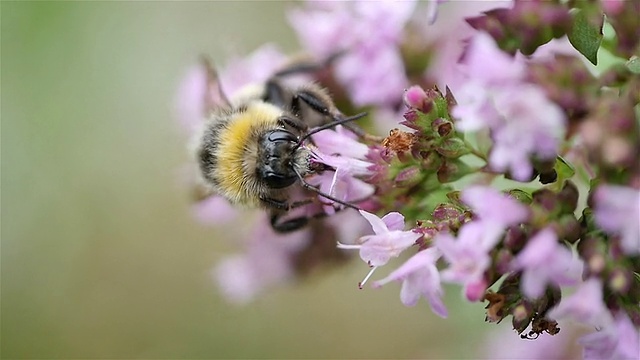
{"x": 100, "y": 255}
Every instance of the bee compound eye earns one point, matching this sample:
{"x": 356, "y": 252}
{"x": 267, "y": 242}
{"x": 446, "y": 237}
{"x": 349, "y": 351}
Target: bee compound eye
{"x": 278, "y": 181}
{"x": 281, "y": 136}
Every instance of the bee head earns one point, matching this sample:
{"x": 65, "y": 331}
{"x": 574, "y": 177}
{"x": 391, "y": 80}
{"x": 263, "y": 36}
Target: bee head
{"x": 277, "y": 158}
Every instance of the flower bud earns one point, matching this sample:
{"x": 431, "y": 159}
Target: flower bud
{"x": 546, "y": 199}
{"x": 452, "y": 170}
{"x": 408, "y": 177}
{"x": 415, "y": 97}
{"x": 452, "y": 148}
{"x": 515, "y": 239}
{"x": 619, "y": 281}
{"x": 503, "y": 261}
{"x": 568, "y": 197}
{"x": 522, "y": 315}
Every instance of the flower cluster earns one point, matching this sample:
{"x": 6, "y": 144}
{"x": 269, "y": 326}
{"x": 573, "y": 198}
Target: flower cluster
{"x": 517, "y": 177}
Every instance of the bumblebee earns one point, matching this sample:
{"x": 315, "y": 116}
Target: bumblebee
{"x": 251, "y": 149}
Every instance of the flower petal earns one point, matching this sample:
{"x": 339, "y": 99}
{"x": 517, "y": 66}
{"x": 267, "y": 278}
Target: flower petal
{"x": 394, "y": 221}
{"x": 378, "y": 226}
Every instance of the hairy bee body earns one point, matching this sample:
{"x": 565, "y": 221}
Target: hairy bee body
{"x": 230, "y": 152}
{"x": 251, "y": 148}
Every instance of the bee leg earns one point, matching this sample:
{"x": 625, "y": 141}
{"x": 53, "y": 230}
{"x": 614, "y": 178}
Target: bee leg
{"x": 314, "y": 103}
{"x": 275, "y": 93}
{"x": 288, "y": 225}
{"x": 294, "y": 123}
{"x": 285, "y": 205}
{"x": 279, "y": 208}
{"x": 319, "y": 106}
{"x": 303, "y": 66}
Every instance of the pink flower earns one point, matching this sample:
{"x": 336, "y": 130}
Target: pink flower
{"x": 617, "y": 211}
{"x": 419, "y": 277}
{"x": 544, "y": 260}
{"x": 191, "y": 98}
{"x": 340, "y": 141}
{"x": 347, "y": 158}
{"x": 506, "y": 344}
{"x": 369, "y": 33}
{"x": 468, "y": 257}
{"x": 618, "y": 341}
{"x": 265, "y": 264}
{"x": 199, "y": 89}
{"x": 491, "y": 205}
{"x": 388, "y": 241}
{"x": 214, "y": 210}
{"x": 529, "y": 125}
{"x": 255, "y": 68}
{"x": 586, "y": 305}
{"x": 523, "y": 122}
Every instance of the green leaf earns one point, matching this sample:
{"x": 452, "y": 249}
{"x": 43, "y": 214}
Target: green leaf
{"x": 452, "y": 148}
{"x": 585, "y": 35}
{"x": 521, "y": 195}
{"x": 634, "y": 65}
{"x": 564, "y": 169}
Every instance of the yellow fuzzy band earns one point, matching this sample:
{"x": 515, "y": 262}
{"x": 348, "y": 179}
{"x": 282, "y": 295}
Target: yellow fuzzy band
{"x": 234, "y": 140}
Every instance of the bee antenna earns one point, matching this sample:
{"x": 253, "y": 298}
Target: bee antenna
{"x": 328, "y": 126}
{"x": 308, "y": 186}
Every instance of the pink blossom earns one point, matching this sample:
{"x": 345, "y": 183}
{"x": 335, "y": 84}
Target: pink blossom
{"x": 369, "y": 33}
{"x": 419, "y": 277}
{"x": 199, "y": 89}
{"x": 340, "y": 141}
{"x": 586, "y": 305}
{"x": 544, "y": 260}
{"x": 504, "y": 343}
{"x": 618, "y": 341}
{"x": 255, "y": 68}
{"x": 266, "y": 263}
{"x": 214, "y": 210}
{"x": 467, "y": 256}
{"x": 388, "y": 240}
{"x": 346, "y": 159}
{"x": 617, "y": 211}
{"x": 529, "y": 124}
{"x": 523, "y": 122}
{"x": 191, "y": 98}
{"x": 493, "y": 206}
{"x": 341, "y": 185}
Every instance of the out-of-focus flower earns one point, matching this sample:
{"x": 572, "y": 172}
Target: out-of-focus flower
{"x": 521, "y": 126}
{"x": 544, "y": 260}
{"x": 617, "y": 211}
{"x": 419, "y": 277}
{"x": 214, "y": 210}
{"x": 468, "y": 257}
{"x": 368, "y": 33}
{"x": 255, "y": 68}
{"x": 492, "y": 206}
{"x": 504, "y": 343}
{"x": 266, "y": 263}
{"x": 199, "y": 88}
{"x": 191, "y": 98}
{"x": 618, "y": 341}
{"x": 585, "y": 305}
